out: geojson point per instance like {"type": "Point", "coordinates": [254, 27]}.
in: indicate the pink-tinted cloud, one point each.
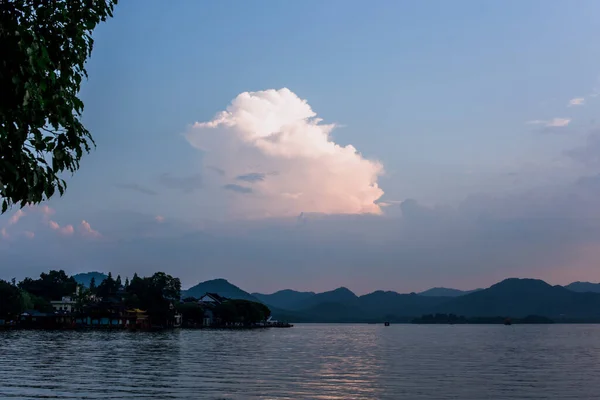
{"type": "Point", "coordinates": [16, 217]}
{"type": "Point", "coordinates": [86, 230]}
{"type": "Point", "coordinates": [38, 222]}
{"type": "Point", "coordinates": [159, 219]}
{"type": "Point", "coordinates": [47, 211]}
{"type": "Point", "coordinates": [551, 123]}
{"type": "Point", "coordinates": [65, 230]}
{"type": "Point", "coordinates": [276, 135]}
{"type": "Point", "coordinates": [578, 101]}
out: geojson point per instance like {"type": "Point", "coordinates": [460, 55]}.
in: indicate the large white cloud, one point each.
{"type": "Point", "coordinates": [278, 160]}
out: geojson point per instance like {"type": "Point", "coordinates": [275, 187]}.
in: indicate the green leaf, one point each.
{"type": "Point", "coordinates": [45, 46]}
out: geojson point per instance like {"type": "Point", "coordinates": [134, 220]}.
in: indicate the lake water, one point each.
{"type": "Point", "coordinates": [306, 362]}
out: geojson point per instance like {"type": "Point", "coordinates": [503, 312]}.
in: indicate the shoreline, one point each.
{"type": "Point", "coordinates": [157, 329]}
{"type": "Point", "coordinates": [248, 328]}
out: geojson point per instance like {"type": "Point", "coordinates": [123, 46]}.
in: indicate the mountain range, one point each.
{"type": "Point", "coordinates": [584, 287]}
{"type": "Point", "coordinates": [446, 292]}
{"type": "Point", "coordinates": [517, 298]}
{"type": "Point", "coordinates": [513, 297]}
{"type": "Point", "coordinates": [219, 286]}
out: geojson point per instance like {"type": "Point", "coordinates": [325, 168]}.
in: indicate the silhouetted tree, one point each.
{"type": "Point", "coordinates": [156, 294]}
{"type": "Point", "coordinates": [242, 311]}
{"type": "Point", "coordinates": [45, 45]}
{"type": "Point", "coordinates": [191, 312]}
{"type": "Point", "coordinates": [11, 300]}
{"type": "Point", "coordinates": [50, 286]}
{"type": "Point", "coordinates": [108, 287]}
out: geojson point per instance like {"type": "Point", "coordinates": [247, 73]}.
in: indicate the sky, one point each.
{"type": "Point", "coordinates": [312, 145]}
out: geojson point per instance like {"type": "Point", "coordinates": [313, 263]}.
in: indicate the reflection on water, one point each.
{"type": "Point", "coordinates": [306, 362]}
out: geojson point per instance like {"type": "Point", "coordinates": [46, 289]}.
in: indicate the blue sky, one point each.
{"type": "Point", "coordinates": [456, 101]}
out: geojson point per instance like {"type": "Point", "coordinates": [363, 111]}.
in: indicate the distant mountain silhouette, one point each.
{"type": "Point", "coordinates": [583, 287]}
{"type": "Point", "coordinates": [341, 305]}
{"type": "Point", "coordinates": [445, 292]}
{"type": "Point", "coordinates": [522, 297]}
{"type": "Point", "coordinates": [220, 286]}
{"type": "Point", "coordinates": [86, 277]}
{"type": "Point", "coordinates": [340, 295]}
{"type": "Point", "coordinates": [515, 298]}
{"type": "Point", "coordinates": [392, 305]}
{"type": "Point", "coordinates": [284, 299]}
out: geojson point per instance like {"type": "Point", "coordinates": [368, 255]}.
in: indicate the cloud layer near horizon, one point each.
{"type": "Point", "coordinates": [33, 220]}
{"type": "Point", "coordinates": [551, 233]}
{"type": "Point", "coordinates": [278, 160]}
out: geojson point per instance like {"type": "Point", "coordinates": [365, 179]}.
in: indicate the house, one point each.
{"type": "Point", "coordinates": [37, 319]}
{"type": "Point", "coordinates": [211, 299]}
{"type": "Point", "coordinates": [106, 313]}
{"type": "Point", "coordinates": [65, 304]}
{"type": "Point", "coordinates": [208, 302]}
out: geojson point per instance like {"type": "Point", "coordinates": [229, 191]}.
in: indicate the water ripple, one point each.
{"type": "Point", "coordinates": [306, 362]}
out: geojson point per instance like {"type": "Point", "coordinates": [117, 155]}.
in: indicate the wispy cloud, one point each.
{"type": "Point", "coordinates": [65, 230]}
{"type": "Point", "coordinates": [159, 218]}
{"type": "Point", "coordinates": [16, 217]}
{"type": "Point", "coordinates": [558, 122]}
{"type": "Point", "coordinates": [188, 184]}
{"type": "Point", "coordinates": [86, 230]}
{"type": "Point", "coordinates": [388, 203]}
{"type": "Point", "coordinates": [237, 188]}
{"type": "Point", "coordinates": [137, 188]}
{"type": "Point", "coordinates": [39, 222]}
{"type": "Point", "coordinates": [551, 123]}
{"type": "Point", "coordinates": [252, 177]}
{"type": "Point", "coordinates": [217, 170]}
{"type": "Point", "coordinates": [577, 101]}
{"type": "Point", "coordinates": [47, 211]}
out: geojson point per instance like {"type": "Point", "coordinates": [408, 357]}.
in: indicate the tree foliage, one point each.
{"type": "Point", "coordinates": [45, 45]}
{"type": "Point", "coordinates": [93, 286]}
{"type": "Point", "coordinates": [108, 287]}
{"type": "Point", "coordinates": [155, 294]}
{"type": "Point", "coordinates": [191, 311]}
{"type": "Point", "coordinates": [11, 300]}
{"type": "Point", "coordinates": [242, 311]}
{"type": "Point", "coordinates": [50, 286]}
{"type": "Point", "coordinates": [32, 302]}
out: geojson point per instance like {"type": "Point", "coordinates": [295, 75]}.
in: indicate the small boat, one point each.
{"type": "Point", "coordinates": [386, 323]}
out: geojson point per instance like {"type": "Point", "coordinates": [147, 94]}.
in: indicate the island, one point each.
{"type": "Point", "coordinates": [57, 301]}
